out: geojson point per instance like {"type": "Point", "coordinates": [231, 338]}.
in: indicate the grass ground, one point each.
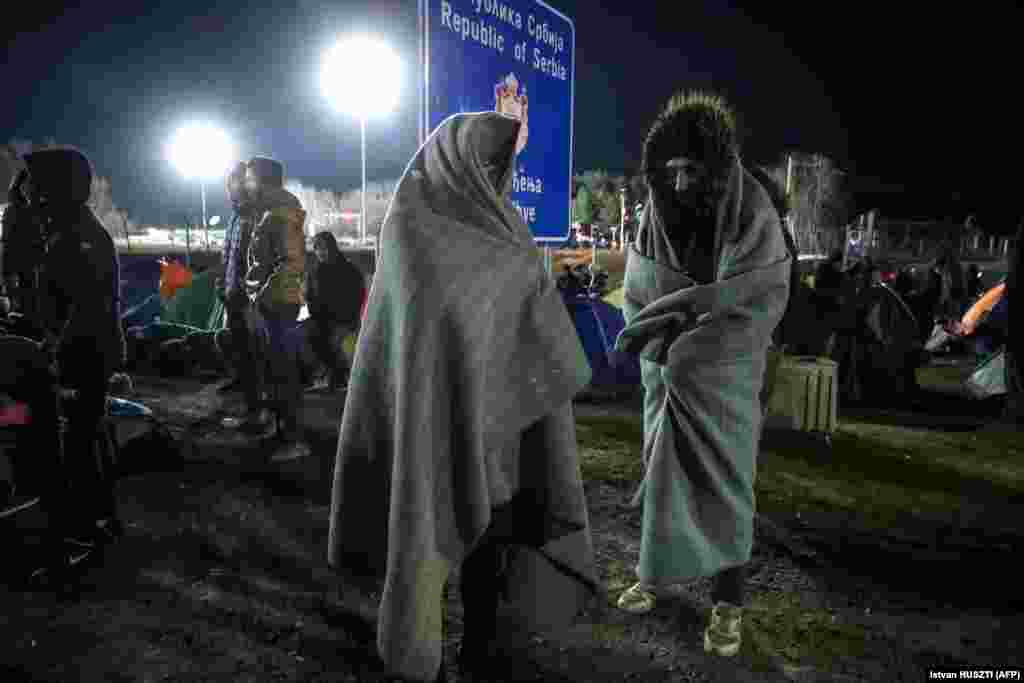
{"type": "Point", "coordinates": [891, 552]}
{"type": "Point", "coordinates": [891, 525]}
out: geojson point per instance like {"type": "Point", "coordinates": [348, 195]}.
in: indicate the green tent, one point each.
{"type": "Point", "coordinates": [195, 308]}
{"type": "Point", "coordinates": [197, 305]}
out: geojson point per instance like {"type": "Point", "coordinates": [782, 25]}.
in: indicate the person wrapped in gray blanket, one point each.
{"type": "Point", "coordinates": [457, 444]}
{"type": "Point", "coordinates": [707, 281]}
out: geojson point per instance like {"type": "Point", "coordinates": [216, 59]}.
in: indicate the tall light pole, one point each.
{"type": "Point", "coordinates": [361, 75]}
{"type": "Point", "coordinates": [206, 225]}
{"type": "Point", "coordinates": [201, 151]}
{"type": "Point", "coordinates": [362, 195]}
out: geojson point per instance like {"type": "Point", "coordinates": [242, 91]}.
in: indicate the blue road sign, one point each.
{"type": "Point", "coordinates": [517, 57]}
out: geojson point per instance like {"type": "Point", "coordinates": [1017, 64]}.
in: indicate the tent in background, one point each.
{"type": "Point", "coordinates": [598, 325]}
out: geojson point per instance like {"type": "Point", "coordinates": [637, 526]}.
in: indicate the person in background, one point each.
{"type": "Point", "coordinates": [231, 289]}
{"type": "Point", "coordinates": [828, 297]}
{"type": "Point", "coordinates": [1014, 360]}
{"type": "Point", "coordinates": [951, 284]}
{"type": "Point", "coordinates": [21, 257]}
{"type": "Point", "coordinates": [277, 264]}
{"type": "Point", "coordinates": [904, 284]}
{"type": "Point", "coordinates": [973, 282]}
{"type": "Point", "coordinates": [785, 334]}
{"type": "Point", "coordinates": [81, 316]}
{"type": "Point", "coordinates": [334, 293]}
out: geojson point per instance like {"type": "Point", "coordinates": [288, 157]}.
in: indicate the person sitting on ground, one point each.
{"type": "Point", "coordinates": [457, 443]}
{"type": "Point", "coordinates": [707, 281]}
{"type": "Point", "coordinates": [334, 293]}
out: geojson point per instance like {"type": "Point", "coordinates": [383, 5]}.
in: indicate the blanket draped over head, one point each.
{"type": "Point", "coordinates": [458, 418]}
{"type": "Point", "coordinates": [703, 350]}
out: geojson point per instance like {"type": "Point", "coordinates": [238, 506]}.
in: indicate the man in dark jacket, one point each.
{"type": "Point", "coordinates": [277, 264]}
{"type": "Point", "coordinates": [80, 291]}
{"type": "Point", "coordinates": [334, 293]}
{"type": "Point", "coordinates": [21, 254]}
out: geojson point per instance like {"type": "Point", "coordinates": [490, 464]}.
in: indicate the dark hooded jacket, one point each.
{"type": "Point", "coordinates": [81, 275]}
{"type": "Point", "coordinates": [334, 291]}
{"type": "Point", "coordinates": [22, 247]}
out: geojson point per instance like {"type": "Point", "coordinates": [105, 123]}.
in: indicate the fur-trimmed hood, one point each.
{"type": "Point", "coordinates": [697, 125]}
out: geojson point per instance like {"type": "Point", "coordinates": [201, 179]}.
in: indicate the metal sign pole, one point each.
{"type": "Point", "coordinates": [206, 222]}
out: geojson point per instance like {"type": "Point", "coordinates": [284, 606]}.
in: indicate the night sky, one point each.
{"type": "Point", "coordinates": [913, 102]}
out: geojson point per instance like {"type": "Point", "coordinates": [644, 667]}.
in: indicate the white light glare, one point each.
{"type": "Point", "coordinates": [201, 151]}
{"type": "Point", "coordinates": [361, 76]}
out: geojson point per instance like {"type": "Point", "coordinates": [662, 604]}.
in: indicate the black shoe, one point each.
{"type": "Point", "coordinates": [102, 532]}
{"type": "Point", "coordinates": [477, 661]}
{"type": "Point", "coordinates": [14, 503]}
{"type": "Point", "coordinates": [112, 527]}
{"type": "Point", "coordinates": [233, 386]}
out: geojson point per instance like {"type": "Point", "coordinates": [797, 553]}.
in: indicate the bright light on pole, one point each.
{"type": "Point", "coordinates": [361, 76]}
{"type": "Point", "coordinates": [201, 151]}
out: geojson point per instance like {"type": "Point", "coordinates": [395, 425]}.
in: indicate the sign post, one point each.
{"type": "Point", "coordinates": [516, 57]}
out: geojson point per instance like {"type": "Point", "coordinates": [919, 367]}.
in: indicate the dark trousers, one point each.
{"type": "Point", "coordinates": [479, 586]}
{"type": "Point", "coordinates": [243, 354]}
{"type": "Point", "coordinates": [87, 463]}
{"type": "Point", "coordinates": [325, 336]}
{"type": "Point", "coordinates": [729, 585]}
{"type": "Point", "coordinates": [277, 326]}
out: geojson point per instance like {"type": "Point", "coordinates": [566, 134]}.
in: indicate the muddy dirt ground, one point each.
{"type": "Point", "coordinates": [221, 577]}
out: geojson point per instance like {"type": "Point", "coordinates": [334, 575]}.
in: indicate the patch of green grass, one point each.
{"type": "Point", "coordinates": [611, 634]}
{"type": "Point", "coordinates": [782, 623]}
{"type": "Point", "coordinates": [881, 474]}
{"type": "Point", "coordinates": [945, 377]}
{"type": "Point", "coordinates": [884, 473]}
{"type": "Point", "coordinates": [610, 449]}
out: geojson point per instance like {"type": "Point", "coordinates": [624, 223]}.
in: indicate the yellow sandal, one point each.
{"type": "Point", "coordinates": [639, 599]}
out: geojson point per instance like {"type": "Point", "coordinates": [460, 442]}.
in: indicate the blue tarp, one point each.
{"type": "Point", "coordinates": [598, 324]}
{"type": "Point", "coordinates": [140, 280]}
{"type": "Point", "coordinates": [119, 407]}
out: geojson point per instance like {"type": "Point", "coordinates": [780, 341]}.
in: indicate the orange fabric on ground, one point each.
{"type": "Point", "coordinates": [173, 276]}
{"type": "Point", "coordinates": [979, 310]}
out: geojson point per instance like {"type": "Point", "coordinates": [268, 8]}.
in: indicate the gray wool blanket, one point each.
{"type": "Point", "coordinates": [458, 419]}
{"type": "Point", "coordinates": [703, 352]}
